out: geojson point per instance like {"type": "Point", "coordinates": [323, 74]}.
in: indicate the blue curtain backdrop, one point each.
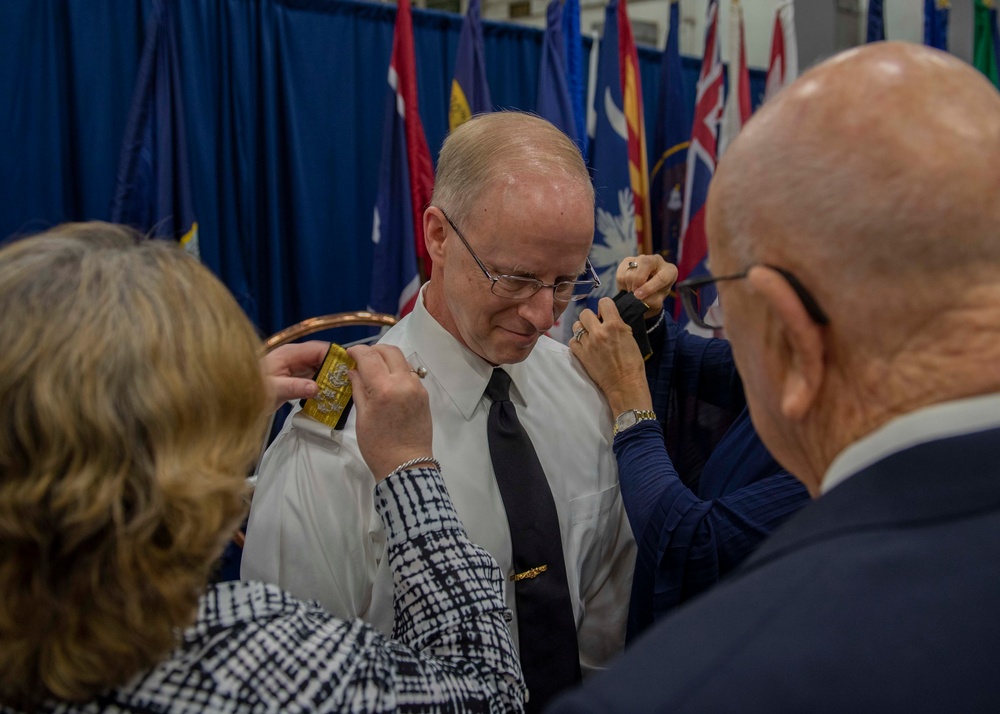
{"type": "Point", "coordinates": [284, 108]}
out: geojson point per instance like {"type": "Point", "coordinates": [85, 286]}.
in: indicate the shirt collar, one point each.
{"type": "Point", "coordinates": [940, 421]}
{"type": "Point", "coordinates": [462, 374]}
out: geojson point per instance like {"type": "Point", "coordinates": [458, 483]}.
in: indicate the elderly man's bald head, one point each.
{"type": "Point", "coordinates": [881, 165]}
{"type": "Point", "coordinates": [875, 180]}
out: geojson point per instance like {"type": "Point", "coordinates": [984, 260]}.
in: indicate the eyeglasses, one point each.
{"type": "Point", "coordinates": [699, 294]}
{"type": "Point", "coordinates": [517, 287]}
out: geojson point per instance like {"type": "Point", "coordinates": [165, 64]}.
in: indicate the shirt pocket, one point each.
{"type": "Point", "coordinates": [590, 518]}
{"type": "Point", "coordinates": [592, 506]}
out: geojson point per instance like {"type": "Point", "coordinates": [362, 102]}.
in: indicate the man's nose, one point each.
{"type": "Point", "coordinates": [539, 309]}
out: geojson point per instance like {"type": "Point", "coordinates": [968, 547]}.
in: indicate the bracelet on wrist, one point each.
{"type": "Point", "coordinates": [413, 462]}
{"type": "Point", "coordinates": [659, 321]}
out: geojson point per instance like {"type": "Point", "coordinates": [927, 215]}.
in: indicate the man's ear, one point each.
{"type": "Point", "coordinates": [798, 341]}
{"type": "Point", "coordinates": [435, 231]}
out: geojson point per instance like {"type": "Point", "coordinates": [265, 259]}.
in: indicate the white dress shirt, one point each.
{"type": "Point", "coordinates": [314, 531]}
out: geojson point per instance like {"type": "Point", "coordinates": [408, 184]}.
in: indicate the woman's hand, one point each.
{"type": "Point", "coordinates": [611, 357]}
{"type": "Point", "coordinates": [393, 409]}
{"type": "Point", "coordinates": [288, 370]}
{"type": "Point", "coordinates": [650, 277]}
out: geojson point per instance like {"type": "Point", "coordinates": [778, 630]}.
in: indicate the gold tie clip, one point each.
{"type": "Point", "coordinates": [528, 574]}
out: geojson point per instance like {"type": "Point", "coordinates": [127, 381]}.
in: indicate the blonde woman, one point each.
{"type": "Point", "coordinates": [131, 404]}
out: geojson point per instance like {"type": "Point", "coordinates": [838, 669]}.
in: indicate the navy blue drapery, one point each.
{"type": "Point", "coordinates": [284, 110]}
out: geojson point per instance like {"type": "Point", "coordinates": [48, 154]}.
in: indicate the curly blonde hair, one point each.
{"type": "Point", "coordinates": [131, 406]}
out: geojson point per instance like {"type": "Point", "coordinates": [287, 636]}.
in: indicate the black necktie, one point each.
{"type": "Point", "coordinates": [546, 627]}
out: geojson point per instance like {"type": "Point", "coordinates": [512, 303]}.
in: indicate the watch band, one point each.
{"type": "Point", "coordinates": [630, 418]}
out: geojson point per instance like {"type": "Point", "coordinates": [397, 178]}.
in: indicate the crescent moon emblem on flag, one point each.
{"type": "Point", "coordinates": [616, 117]}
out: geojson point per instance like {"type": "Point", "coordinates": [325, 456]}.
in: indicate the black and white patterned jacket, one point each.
{"type": "Point", "coordinates": [255, 648]}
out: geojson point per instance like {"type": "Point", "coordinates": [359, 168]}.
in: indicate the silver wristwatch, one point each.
{"type": "Point", "coordinates": [632, 417]}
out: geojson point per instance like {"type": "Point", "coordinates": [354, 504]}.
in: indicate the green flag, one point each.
{"type": "Point", "coordinates": [984, 54]}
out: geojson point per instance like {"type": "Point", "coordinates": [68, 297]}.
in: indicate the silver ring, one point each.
{"type": "Point", "coordinates": [632, 264]}
{"type": "Point", "coordinates": [420, 372]}
{"type": "Point", "coordinates": [579, 333]}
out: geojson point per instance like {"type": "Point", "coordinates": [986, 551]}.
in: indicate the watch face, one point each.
{"type": "Point", "coordinates": [627, 419]}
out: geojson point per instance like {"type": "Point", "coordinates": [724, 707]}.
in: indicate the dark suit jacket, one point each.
{"type": "Point", "coordinates": [882, 596]}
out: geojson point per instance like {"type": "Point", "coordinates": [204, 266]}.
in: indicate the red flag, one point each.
{"type": "Point", "coordinates": [406, 179]}
{"type": "Point", "coordinates": [418, 155]}
{"type": "Point", "coordinates": [638, 165]}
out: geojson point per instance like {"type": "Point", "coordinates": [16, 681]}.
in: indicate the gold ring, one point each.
{"type": "Point", "coordinates": [632, 264]}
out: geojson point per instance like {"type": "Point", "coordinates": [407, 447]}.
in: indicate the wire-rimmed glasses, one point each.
{"type": "Point", "coordinates": [698, 295]}
{"type": "Point", "coordinates": [519, 287]}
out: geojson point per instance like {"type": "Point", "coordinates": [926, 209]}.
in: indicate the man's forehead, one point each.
{"type": "Point", "coordinates": [536, 254]}
{"type": "Point", "coordinates": [562, 269]}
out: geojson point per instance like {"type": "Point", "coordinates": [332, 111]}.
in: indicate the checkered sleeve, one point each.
{"type": "Point", "coordinates": [254, 648]}
{"type": "Point", "coordinates": [448, 592]}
